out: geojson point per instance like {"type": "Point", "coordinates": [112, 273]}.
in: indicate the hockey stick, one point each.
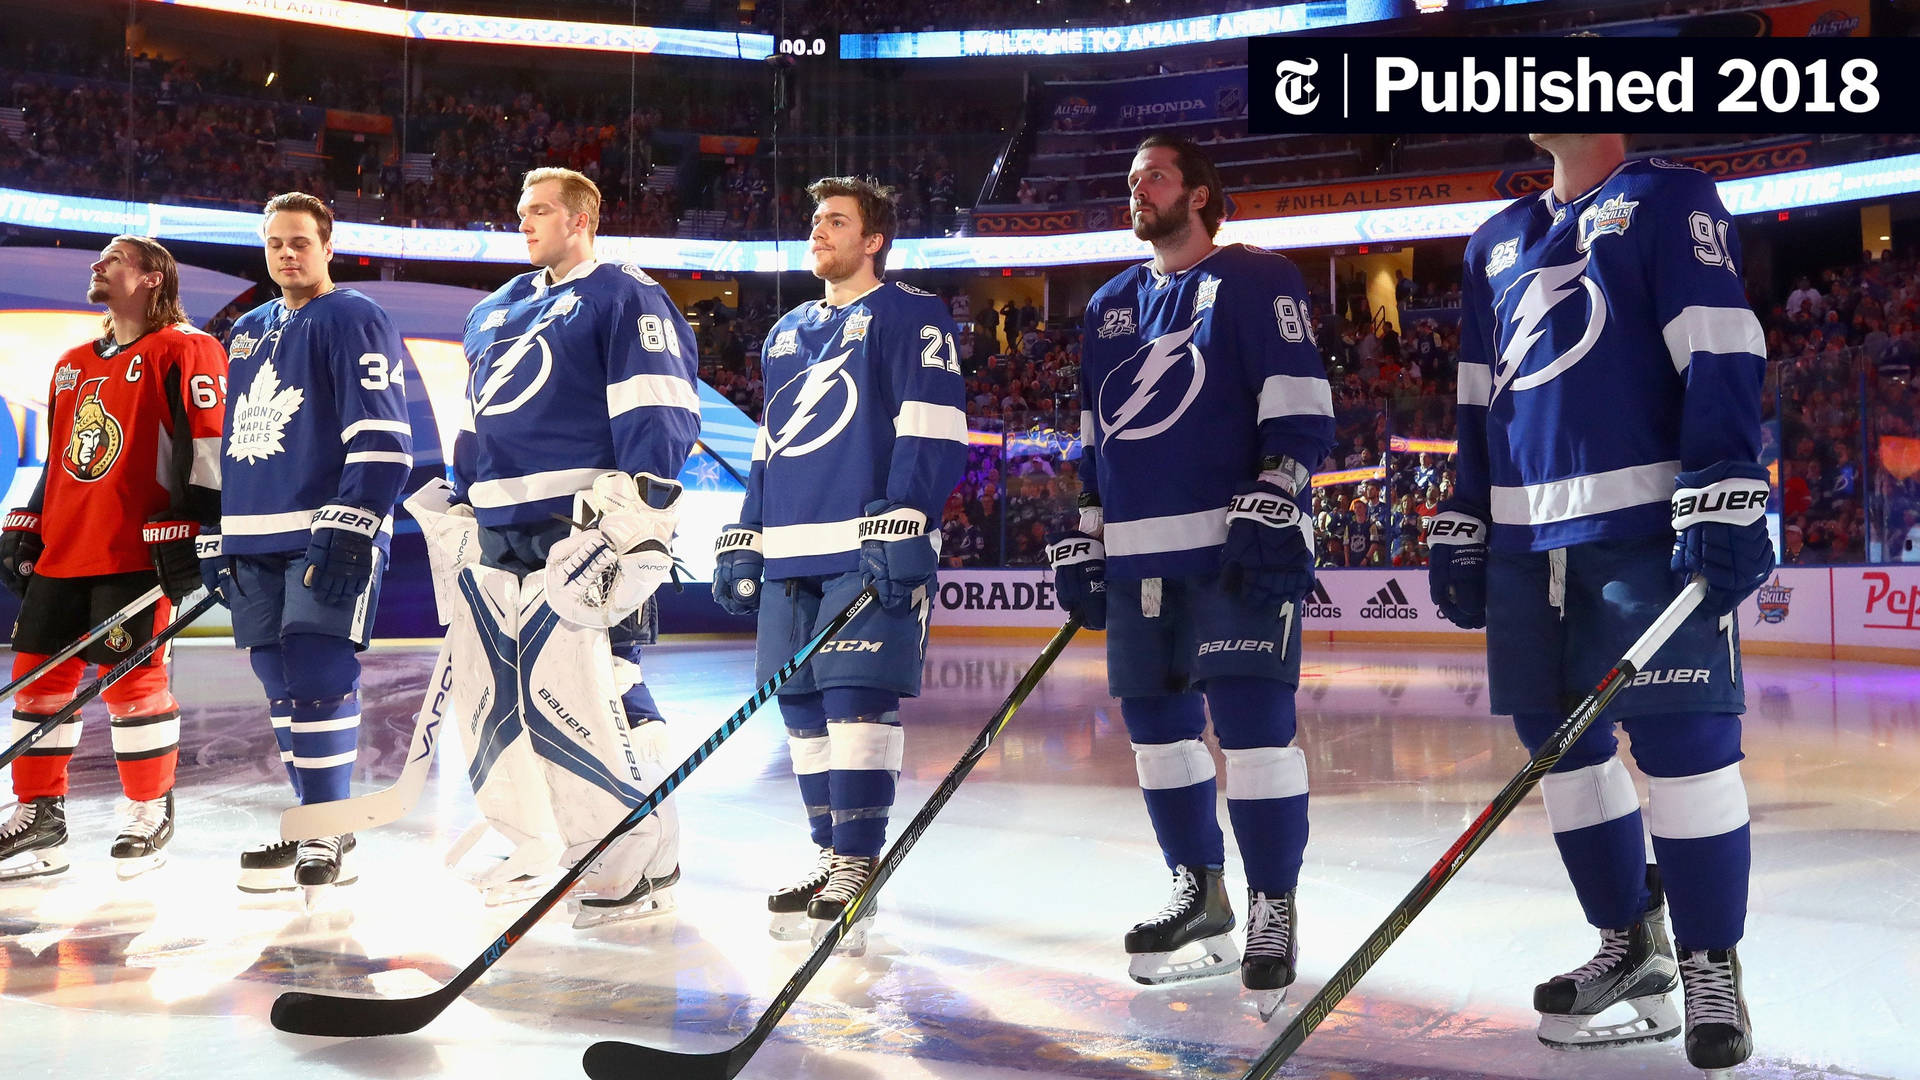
{"type": "Point", "coordinates": [139, 604]}
{"type": "Point", "coordinates": [322, 1014]}
{"type": "Point", "coordinates": [93, 690]}
{"type": "Point", "coordinates": [1321, 1005]}
{"type": "Point", "coordinates": [621, 1061]}
{"type": "Point", "coordinates": [396, 801]}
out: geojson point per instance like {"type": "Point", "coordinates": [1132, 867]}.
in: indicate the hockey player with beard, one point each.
{"type": "Point", "coordinates": [136, 414]}
{"type": "Point", "coordinates": [582, 409]}
{"type": "Point", "coordinates": [317, 447]}
{"type": "Point", "coordinates": [1571, 529]}
{"type": "Point", "coordinates": [1205, 356]}
{"type": "Point", "coordinates": [865, 435]}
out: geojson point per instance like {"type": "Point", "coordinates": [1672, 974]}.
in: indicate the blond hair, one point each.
{"type": "Point", "coordinates": [163, 305]}
{"type": "Point", "coordinates": [577, 193]}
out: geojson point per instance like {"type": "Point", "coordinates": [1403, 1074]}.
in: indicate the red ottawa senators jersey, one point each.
{"type": "Point", "coordinates": [117, 417]}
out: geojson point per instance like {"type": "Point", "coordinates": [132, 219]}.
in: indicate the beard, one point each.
{"type": "Point", "coordinates": [97, 294]}
{"type": "Point", "coordinates": [836, 265]}
{"type": "Point", "coordinates": [1166, 222]}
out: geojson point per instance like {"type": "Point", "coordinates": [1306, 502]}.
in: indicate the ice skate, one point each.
{"type": "Point", "coordinates": [319, 865]}
{"type": "Point", "coordinates": [1719, 1034]}
{"type": "Point", "coordinates": [1634, 967]}
{"type": "Point", "coordinates": [788, 908]}
{"type": "Point", "coordinates": [269, 867]}
{"type": "Point", "coordinates": [1267, 969]}
{"type": "Point", "coordinates": [146, 827]}
{"type": "Point", "coordinates": [33, 842]}
{"type": "Point", "coordinates": [847, 875]}
{"type": "Point", "coordinates": [1197, 918]}
{"type": "Point", "coordinates": [651, 896]}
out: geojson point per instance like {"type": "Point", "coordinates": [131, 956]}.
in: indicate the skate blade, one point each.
{"type": "Point", "coordinates": [655, 903]}
{"type": "Point", "coordinates": [852, 944]}
{"type": "Point", "coordinates": [515, 891]}
{"type": "Point", "coordinates": [1655, 1019]}
{"type": "Point", "coordinates": [128, 869]}
{"type": "Point", "coordinates": [1210, 956]}
{"type": "Point", "coordinates": [45, 863]}
{"type": "Point", "coordinates": [1268, 1002]}
{"type": "Point", "coordinates": [790, 926]}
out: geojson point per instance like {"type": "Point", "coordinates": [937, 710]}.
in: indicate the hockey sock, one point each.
{"type": "Point", "coordinates": [1704, 844]}
{"type": "Point", "coordinates": [269, 666]}
{"type": "Point", "coordinates": [146, 732]}
{"type": "Point", "coordinates": [42, 770]}
{"type": "Point", "coordinates": [1595, 816]}
{"type": "Point", "coordinates": [323, 680]}
{"type": "Point", "coordinates": [1266, 778]}
{"type": "Point", "coordinates": [1176, 777]}
{"type": "Point", "coordinates": [637, 700]}
{"type": "Point", "coordinates": [806, 720]}
{"type": "Point", "coordinates": [865, 746]}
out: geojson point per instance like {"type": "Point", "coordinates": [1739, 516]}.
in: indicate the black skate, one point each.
{"type": "Point", "coordinates": [846, 876]}
{"type": "Point", "coordinates": [319, 865]}
{"type": "Point", "coordinates": [1719, 1035]}
{"type": "Point", "coordinates": [1268, 966]}
{"type": "Point", "coordinates": [146, 827]}
{"type": "Point", "coordinates": [648, 897]}
{"type": "Point", "coordinates": [269, 867]}
{"type": "Point", "coordinates": [38, 828]}
{"type": "Point", "coordinates": [1198, 914]}
{"type": "Point", "coordinates": [788, 907]}
{"type": "Point", "coordinates": [1634, 966]}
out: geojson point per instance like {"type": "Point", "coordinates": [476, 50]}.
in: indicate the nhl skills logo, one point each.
{"type": "Point", "coordinates": [1204, 297]}
{"type": "Point", "coordinates": [1610, 218]}
{"type": "Point", "coordinates": [1389, 603]}
{"type": "Point", "coordinates": [242, 346]}
{"type": "Point", "coordinates": [66, 378]}
{"type": "Point", "coordinates": [1773, 599]}
{"type": "Point", "coordinates": [1318, 605]}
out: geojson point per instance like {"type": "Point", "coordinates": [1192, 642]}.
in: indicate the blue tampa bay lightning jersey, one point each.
{"type": "Point", "coordinates": [1605, 346]}
{"type": "Point", "coordinates": [1188, 380]}
{"type": "Point", "coordinates": [569, 381]}
{"type": "Point", "coordinates": [864, 403]}
{"type": "Point", "coordinates": [316, 416]}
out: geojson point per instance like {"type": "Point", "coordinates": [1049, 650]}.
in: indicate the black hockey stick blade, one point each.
{"type": "Point", "coordinates": [1322, 1004]}
{"type": "Point", "coordinates": [303, 1013]}
{"type": "Point", "coordinates": [612, 1060]}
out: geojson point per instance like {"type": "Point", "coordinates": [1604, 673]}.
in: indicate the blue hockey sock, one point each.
{"type": "Point", "coordinates": [1266, 778]}
{"type": "Point", "coordinates": [1595, 816]}
{"type": "Point", "coordinates": [1704, 843]}
{"type": "Point", "coordinates": [323, 676]}
{"type": "Point", "coordinates": [806, 721]}
{"type": "Point", "coordinates": [865, 745]}
{"type": "Point", "coordinates": [270, 667]}
{"type": "Point", "coordinates": [1176, 777]}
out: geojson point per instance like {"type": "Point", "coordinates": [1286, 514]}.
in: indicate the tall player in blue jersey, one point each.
{"type": "Point", "coordinates": [865, 435]}
{"type": "Point", "coordinates": [1203, 356]}
{"type": "Point", "coordinates": [1571, 528]}
{"type": "Point", "coordinates": [315, 451]}
{"type": "Point", "coordinates": [582, 408]}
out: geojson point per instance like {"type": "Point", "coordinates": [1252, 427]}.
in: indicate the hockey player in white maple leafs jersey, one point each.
{"type": "Point", "coordinates": [1609, 425]}
{"type": "Point", "coordinates": [316, 449]}
{"type": "Point", "coordinates": [1206, 408]}
{"type": "Point", "coordinates": [581, 408]}
{"type": "Point", "coordinates": [864, 437]}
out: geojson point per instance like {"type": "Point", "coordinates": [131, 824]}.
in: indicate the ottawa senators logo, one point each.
{"type": "Point", "coordinates": [119, 640]}
{"type": "Point", "coordinates": [97, 437]}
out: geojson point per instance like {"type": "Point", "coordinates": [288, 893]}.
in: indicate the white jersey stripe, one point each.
{"type": "Point", "coordinates": [1176, 532]}
{"type": "Point", "coordinates": [925, 420]}
{"type": "Point", "coordinates": [514, 490]}
{"type": "Point", "coordinates": [274, 524]}
{"type": "Point", "coordinates": [206, 463]}
{"type": "Point", "coordinates": [666, 391]}
{"type": "Point", "coordinates": [381, 457]}
{"type": "Point", "coordinates": [1577, 496]}
{"type": "Point", "coordinates": [1295, 395]}
{"type": "Point", "coordinates": [397, 427]}
{"type": "Point", "coordinates": [1700, 329]}
{"type": "Point", "coordinates": [1476, 384]}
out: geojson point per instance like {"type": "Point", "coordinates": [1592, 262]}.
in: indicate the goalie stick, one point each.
{"type": "Point", "coordinates": [93, 690]}
{"type": "Point", "coordinates": [392, 803]}
{"type": "Point", "coordinates": [1321, 1005]}
{"type": "Point", "coordinates": [141, 603]}
{"type": "Point", "coordinates": [323, 1014]}
{"type": "Point", "coordinates": [612, 1060]}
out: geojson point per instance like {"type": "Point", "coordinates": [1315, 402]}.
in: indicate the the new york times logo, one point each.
{"type": "Point", "coordinates": [1294, 92]}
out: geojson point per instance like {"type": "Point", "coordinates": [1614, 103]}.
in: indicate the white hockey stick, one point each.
{"type": "Point", "coordinates": [393, 803]}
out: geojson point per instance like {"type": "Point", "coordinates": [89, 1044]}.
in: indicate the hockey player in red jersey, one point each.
{"type": "Point", "coordinates": [133, 424]}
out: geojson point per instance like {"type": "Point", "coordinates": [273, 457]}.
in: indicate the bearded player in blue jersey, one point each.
{"type": "Point", "coordinates": [1572, 527]}
{"type": "Point", "coordinates": [316, 449]}
{"type": "Point", "coordinates": [864, 437]}
{"type": "Point", "coordinates": [1203, 356]}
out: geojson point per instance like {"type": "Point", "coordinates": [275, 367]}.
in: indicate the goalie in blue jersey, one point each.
{"type": "Point", "coordinates": [1609, 425]}
{"type": "Point", "coordinates": [1205, 357]}
{"type": "Point", "coordinates": [865, 436]}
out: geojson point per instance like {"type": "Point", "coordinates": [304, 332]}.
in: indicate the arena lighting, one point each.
{"type": "Point", "coordinates": [496, 29]}
{"type": "Point", "coordinates": [1885, 178]}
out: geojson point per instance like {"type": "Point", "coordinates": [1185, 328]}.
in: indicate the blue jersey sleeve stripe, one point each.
{"type": "Point", "coordinates": [1722, 330]}
{"type": "Point", "coordinates": [640, 391]}
{"type": "Point", "coordinates": [1295, 395]}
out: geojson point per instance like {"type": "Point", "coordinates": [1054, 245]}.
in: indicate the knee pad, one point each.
{"type": "Point", "coordinates": [1587, 796]}
{"type": "Point", "coordinates": [1265, 772]}
{"type": "Point", "coordinates": [1596, 745]}
{"type": "Point", "coordinates": [51, 692]}
{"type": "Point", "coordinates": [1172, 765]}
{"type": "Point", "coordinates": [1691, 807]}
{"type": "Point", "coordinates": [1251, 713]}
{"type": "Point", "coordinates": [320, 667]}
{"type": "Point", "coordinates": [1164, 718]}
{"type": "Point", "coordinates": [140, 692]}
{"type": "Point", "coordinates": [865, 747]}
{"type": "Point", "coordinates": [269, 665]}
{"type": "Point", "coordinates": [1685, 744]}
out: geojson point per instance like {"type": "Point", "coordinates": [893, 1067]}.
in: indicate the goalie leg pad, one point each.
{"type": "Point", "coordinates": [453, 541]}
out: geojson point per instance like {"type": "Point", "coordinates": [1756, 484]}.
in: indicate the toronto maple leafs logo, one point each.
{"type": "Point", "coordinates": [261, 415]}
{"type": "Point", "coordinates": [794, 410]}
{"type": "Point", "coordinates": [910, 290]}
{"type": "Point", "coordinates": [1153, 389]}
{"type": "Point", "coordinates": [1544, 308]}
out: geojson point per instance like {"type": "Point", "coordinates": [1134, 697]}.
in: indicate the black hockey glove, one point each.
{"type": "Point", "coordinates": [1079, 562]}
{"type": "Point", "coordinates": [1457, 565]}
{"type": "Point", "coordinates": [20, 548]}
{"type": "Point", "coordinates": [170, 542]}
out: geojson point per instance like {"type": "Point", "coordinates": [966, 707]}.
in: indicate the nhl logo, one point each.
{"type": "Point", "coordinates": [118, 639]}
{"type": "Point", "coordinates": [1773, 599]}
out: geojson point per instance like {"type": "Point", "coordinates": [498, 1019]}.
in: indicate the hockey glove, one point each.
{"type": "Point", "coordinates": [738, 563]}
{"type": "Point", "coordinates": [20, 548]}
{"type": "Point", "coordinates": [214, 567]}
{"type": "Point", "coordinates": [1457, 574]}
{"type": "Point", "coordinates": [1079, 562]}
{"type": "Point", "coordinates": [897, 554]}
{"type": "Point", "coordinates": [175, 559]}
{"type": "Point", "coordinates": [340, 554]}
{"type": "Point", "coordinates": [1268, 557]}
{"type": "Point", "coordinates": [1719, 518]}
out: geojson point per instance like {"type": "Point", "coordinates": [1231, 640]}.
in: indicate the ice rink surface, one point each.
{"type": "Point", "coordinates": [997, 951]}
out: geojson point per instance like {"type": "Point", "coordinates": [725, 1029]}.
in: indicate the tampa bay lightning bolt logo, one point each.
{"type": "Point", "coordinates": [823, 392]}
{"type": "Point", "coordinates": [1151, 391]}
{"type": "Point", "coordinates": [515, 369]}
{"type": "Point", "coordinates": [1546, 304]}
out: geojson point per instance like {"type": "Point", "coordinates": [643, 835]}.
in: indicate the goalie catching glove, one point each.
{"type": "Point", "coordinates": [604, 573]}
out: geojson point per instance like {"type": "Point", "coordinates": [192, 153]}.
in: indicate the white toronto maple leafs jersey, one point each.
{"type": "Point", "coordinates": [1188, 381]}
{"type": "Point", "coordinates": [1605, 346]}
{"type": "Point", "coordinates": [569, 381]}
{"type": "Point", "coordinates": [865, 403]}
{"type": "Point", "coordinates": [316, 416]}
